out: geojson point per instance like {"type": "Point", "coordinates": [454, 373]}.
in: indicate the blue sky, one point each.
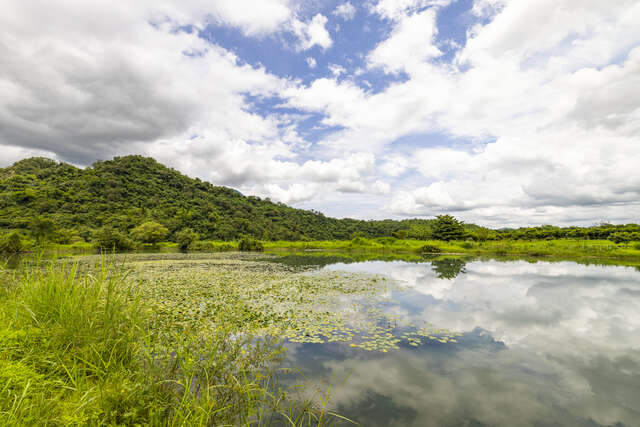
{"type": "Point", "coordinates": [499, 112]}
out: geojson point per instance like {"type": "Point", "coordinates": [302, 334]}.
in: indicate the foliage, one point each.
{"type": "Point", "coordinates": [447, 228]}
{"type": "Point", "coordinates": [249, 244]}
{"type": "Point", "coordinates": [430, 249]}
{"type": "Point", "coordinates": [58, 202]}
{"type": "Point", "coordinates": [80, 346]}
{"type": "Point", "coordinates": [109, 238]}
{"type": "Point", "coordinates": [123, 192]}
{"type": "Point", "coordinates": [42, 228]}
{"type": "Point", "coordinates": [185, 238]}
{"type": "Point", "coordinates": [624, 237]}
{"type": "Point", "coordinates": [149, 232]}
{"type": "Point", "coordinates": [12, 243]}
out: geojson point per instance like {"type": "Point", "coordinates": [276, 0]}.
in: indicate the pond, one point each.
{"type": "Point", "coordinates": [541, 344]}
{"type": "Point", "coordinates": [448, 341]}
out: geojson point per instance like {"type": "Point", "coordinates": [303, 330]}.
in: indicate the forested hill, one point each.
{"type": "Point", "coordinates": [127, 191]}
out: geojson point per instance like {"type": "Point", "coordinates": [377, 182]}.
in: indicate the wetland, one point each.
{"type": "Point", "coordinates": [333, 339]}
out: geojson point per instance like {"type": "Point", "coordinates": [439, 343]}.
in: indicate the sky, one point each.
{"type": "Point", "coordinates": [499, 112]}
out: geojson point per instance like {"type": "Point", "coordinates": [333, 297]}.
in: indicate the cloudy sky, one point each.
{"type": "Point", "coordinates": [500, 112]}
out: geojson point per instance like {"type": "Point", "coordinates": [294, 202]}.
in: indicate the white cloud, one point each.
{"type": "Point", "coordinates": [346, 11]}
{"type": "Point", "coordinates": [395, 9]}
{"type": "Point", "coordinates": [543, 102]}
{"type": "Point", "coordinates": [395, 166]}
{"type": "Point", "coordinates": [337, 70]}
{"type": "Point", "coordinates": [410, 42]}
{"type": "Point", "coordinates": [545, 96]}
{"type": "Point", "coordinates": [312, 33]}
{"type": "Point", "coordinates": [311, 62]}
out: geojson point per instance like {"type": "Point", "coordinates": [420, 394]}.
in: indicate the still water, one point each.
{"type": "Point", "coordinates": [542, 344]}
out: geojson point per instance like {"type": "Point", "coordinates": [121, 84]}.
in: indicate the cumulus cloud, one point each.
{"type": "Point", "coordinates": [312, 33]}
{"type": "Point", "coordinates": [538, 111]}
{"type": "Point", "coordinates": [395, 9]}
{"type": "Point", "coordinates": [345, 11]}
{"type": "Point", "coordinates": [545, 95]}
{"type": "Point", "coordinates": [311, 62]}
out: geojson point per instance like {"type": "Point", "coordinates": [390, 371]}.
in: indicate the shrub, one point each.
{"type": "Point", "coordinates": [430, 249]}
{"type": "Point", "coordinates": [109, 238]}
{"type": "Point", "coordinates": [11, 244]}
{"type": "Point", "coordinates": [250, 244]}
{"type": "Point", "coordinates": [386, 240]}
{"type": "Point", "coordinates": [149, 232]}
{"type": "Point", "coordinates": [185, 238]}
{"type": "Point", "coordinates": [401, 234]}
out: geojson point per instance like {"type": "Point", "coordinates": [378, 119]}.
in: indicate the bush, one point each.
{"type": "Point", "coordinates": [386, 240]}
{"type": "Point", "coordinates": [401, 234]}
{"type": "Point", "coordinates": [109, 239]}
{"type": "Point", "coordinates": [11, 244]}
{"type": "Point", "coordinates": [249, 244]}
{"type": "Point", "coordinates": [430, 249]}
{"type": "Point", "coordinates": [149, 232]}
{"type": "Point", "coordinates": [185, 238]}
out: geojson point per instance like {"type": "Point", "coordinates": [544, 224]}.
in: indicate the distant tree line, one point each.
{"type": "Point", "coordinates": [135, 200]}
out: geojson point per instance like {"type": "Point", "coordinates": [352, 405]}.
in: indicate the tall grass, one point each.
{"type": "Point", "coordinates": [77, 347]}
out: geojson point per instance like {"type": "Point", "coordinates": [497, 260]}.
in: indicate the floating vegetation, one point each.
{"type": "Point", "coordinates": [254, 297]}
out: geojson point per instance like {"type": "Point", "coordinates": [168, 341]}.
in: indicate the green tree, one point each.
{"type": "Point", "coordinates": [401, 234]}
{"type": "Point", "coordinates": [620, 237]}
{"type": "Point", "coordinates": [250, 244]}
{"type": "Point", "coordinates": [11, 244]}
{"type": "Point", "coordinates": [185, 237]}
{"type": "Point", "coordinates": [109, 238]}
{"type": "Point", "coordinates": [149, 232]}
{"type": "Point", "coordinates": [42, 228]}
{"type": "Point", "coordinates": [447, 228]}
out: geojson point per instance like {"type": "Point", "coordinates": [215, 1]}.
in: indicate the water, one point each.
{"type": "Point", "coordinates": [543, 344]}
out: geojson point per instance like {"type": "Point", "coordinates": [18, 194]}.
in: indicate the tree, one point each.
{"type": "Point", "coordinates": [109, 239]}
{"type": "Point", "coordinates": [11, 244]}
{"type": "Point", "coordinates": [447, 228]}
{"type": "Point", "coordinates": [42, 228]}
{"type": "Point", "coordinates": [400, 234]}
{"type": "Point", "coordinates": [250, 244]}
{"type": "Point", "coordinates": [149, 232]}
{"type": "Point", "coordinates": [185, 237]}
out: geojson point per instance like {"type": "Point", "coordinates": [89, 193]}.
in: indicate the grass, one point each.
{"type": "Point", "coordinates": [81, 345]}
{"type": "Point", "coordinates": [567, 248]}
{"type": "Point", "coordinates": [552, 248]}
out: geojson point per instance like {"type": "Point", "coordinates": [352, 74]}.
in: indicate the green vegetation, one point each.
{"type": "Point", "coordinates": [247, 244]}
{"type": "Point", "coordinates": [185, 238]}
{"type": "Point", "coordinates": [149, 232]}
{"type": "Point", "coordinates": [447, 228]}
{"type": "Point", "coordinates": [566, 248]}
{"type": "Point", "coordinates": [125, 192]}
{"type": "Point", "coordinates": [127, 344]}
{"type": "Point", "coordinates": [134, 202]}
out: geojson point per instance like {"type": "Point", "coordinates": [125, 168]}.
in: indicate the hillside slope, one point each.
{"type": "Point", "coordinates": [126, 191]}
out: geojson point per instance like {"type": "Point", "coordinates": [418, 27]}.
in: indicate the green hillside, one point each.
{"type": "Point", "coordinates": [127, 191]}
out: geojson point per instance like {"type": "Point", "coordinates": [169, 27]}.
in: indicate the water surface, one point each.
{"type": "Point", "coordinates": [542, 344]}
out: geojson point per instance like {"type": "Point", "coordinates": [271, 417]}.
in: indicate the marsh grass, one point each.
{"type": "Point", "coordinates": [78, 346]}
{"type": "Point", "coordinates": [541, 248]}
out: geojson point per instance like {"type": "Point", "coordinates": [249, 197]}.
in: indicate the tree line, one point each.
{"type": "Point", "coordinates": [134, 199]}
